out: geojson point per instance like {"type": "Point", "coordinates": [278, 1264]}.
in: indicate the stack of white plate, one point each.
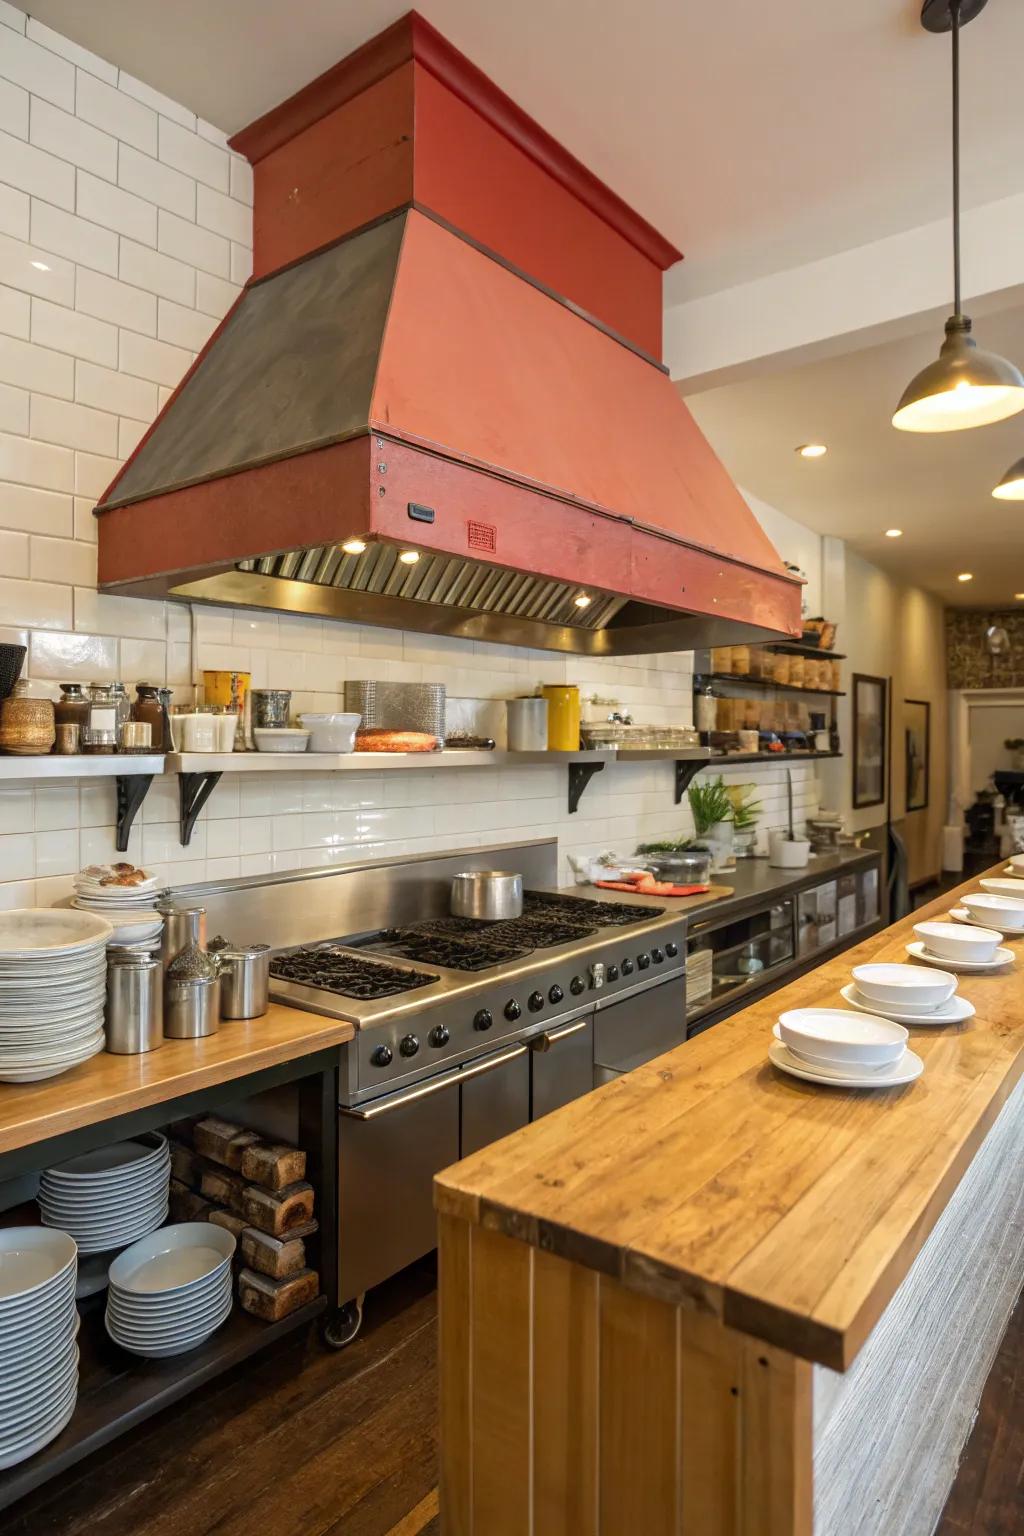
{"type": "Point", "coordinates": [38, 1353]}
{"type": "Point", "coordinates": [53, 968]}
{"type": "Point", "coordinates": [843, 1050]}
{"type": "Point", "coordinates": [907, 994]}
{"type": "Point", "coordinates": [93, 895]}
{"type": "Point", "coordinates": [111, 1196]}
{"type": "Point", "coordinates": [959, 946]}
{"type": "Point", "coordinates": [170, 1291]}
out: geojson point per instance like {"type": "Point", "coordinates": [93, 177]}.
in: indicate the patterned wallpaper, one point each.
{"type": "Point", "coordinates": [969, 663]}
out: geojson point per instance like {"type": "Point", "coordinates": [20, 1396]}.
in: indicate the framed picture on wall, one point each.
{"type": "Point", "coordinates": [869, 740]}
{"type": "Point", "coordinates": [917, 725]}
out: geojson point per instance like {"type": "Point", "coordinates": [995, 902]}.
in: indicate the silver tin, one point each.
{"type": "Point", "coordinates": [183, 926]}
{"type": "Point", "coordinates": [489, 895]}
{"type": "Point", "coordinates": [192, 1008]}
{"type": "Point", "coordinates": [135, 1003]}
{"type": "Point", "coordinates": [244, 981]}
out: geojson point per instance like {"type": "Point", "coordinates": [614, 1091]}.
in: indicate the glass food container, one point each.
{"type": "Point", "coordinates": [99, 732]}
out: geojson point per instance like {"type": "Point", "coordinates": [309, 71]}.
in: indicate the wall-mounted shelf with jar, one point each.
{"type": "Point", "coordinates": [749, 696]}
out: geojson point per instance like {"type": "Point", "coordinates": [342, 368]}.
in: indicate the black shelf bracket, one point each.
{"type": "Point", "coordinates": [687, 769]}
{"type": "Point", "coordinates": [194, 791]}
{"type": "Point", "coordinates": [580, 775]}
{"type": "Point", "coordinates": [132, 789]}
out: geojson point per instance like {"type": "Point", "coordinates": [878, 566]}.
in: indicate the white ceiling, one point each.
{"type": "Point", "coordinates": [936, 487]}
{"type": "Point", "coordinates": [754, 136]}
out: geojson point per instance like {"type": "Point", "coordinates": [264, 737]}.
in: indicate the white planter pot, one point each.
{"type": "Point", "coordinates": [783, 854]}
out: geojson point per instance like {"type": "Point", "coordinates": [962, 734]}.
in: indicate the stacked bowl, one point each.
{"type": "Point", "coordinates": [907, 994]}
{"type": "Point", "coordinates": [38, 1326]}
{"type": "Point", "coordinates": [170, 1291]}
{"type": "Point", "coordinates": [960, 946]}
{"type": "Point", "coordinates": [111, 1196]}
{"type": "Point", "coordinates": [53, 967]}
{"type": "Point", "coordinates": [843, 1050]}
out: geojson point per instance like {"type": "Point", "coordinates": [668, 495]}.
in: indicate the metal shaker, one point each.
{"type": "Point", "coordinates": [244, 981]}
{"type": "Point", "coordinates": [183, 926]}
{"type": "Point", "coordinates": [135, 1003]}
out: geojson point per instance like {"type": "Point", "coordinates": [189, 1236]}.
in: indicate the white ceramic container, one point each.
{"type": "Point", "coordinates": [1005, 912]}
{"type": "Point", "coordinates": [838, 1035]}
{"type": "Point", "coordinates": [331, 733]}
{"type": "Point", "coordinates": [958, 941]}
{"type": "Point", "coordinates": [281, 740]}
{"type": "Point", "coordinates": [783, 854]}
{"type": "Point", "coordinates": [907, 986]}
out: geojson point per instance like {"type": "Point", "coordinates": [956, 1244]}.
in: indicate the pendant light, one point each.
{"type": "Point", "coordinates": [1011, 486]}
{"type": "Point", "coordinates": [964, 387]}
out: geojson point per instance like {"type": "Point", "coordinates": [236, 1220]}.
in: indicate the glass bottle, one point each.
{"type": "Point", "coordinates": [151, 704]}
{"type": "Point", "coordinates": [72, 708]}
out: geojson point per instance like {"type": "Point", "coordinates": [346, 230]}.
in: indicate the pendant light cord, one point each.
{"type": "Point", "coordinates": [955, 16]}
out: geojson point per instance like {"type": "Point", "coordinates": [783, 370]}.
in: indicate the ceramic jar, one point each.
{"type": "Point", "coordinates": [27, 724]}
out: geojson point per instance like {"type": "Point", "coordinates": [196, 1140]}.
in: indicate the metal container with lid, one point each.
{"type": "Point", "coordinates": [244, 980]}
{"type": "Point", "coordinates": [489, 895]}
{"type": "Point", "coordinates": [182, 926]}
{"type": "Point", "coordinates": [135, 1003]}
{"type": "Point", "coordinates": [192, 1007]}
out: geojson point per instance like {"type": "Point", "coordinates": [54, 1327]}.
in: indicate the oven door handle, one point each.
{"type": "Point", "coordinates": [550, 1037]}
{"type": "Point", "coordinates": [397, 1101]}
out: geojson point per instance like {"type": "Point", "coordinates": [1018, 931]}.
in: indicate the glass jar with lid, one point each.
{"type": "Point", "coordinates": [99, 733]}
{"type": "Point", "coordinates": [72, 708]}
{"type": "Point", "coordinates": [152, 704]}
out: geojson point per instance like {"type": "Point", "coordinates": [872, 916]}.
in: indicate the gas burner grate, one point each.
{"type": "Point", "coordinates": [333, 970]}
{"type": "Point", "coordinates": [468, 951]}
{"type": "Point", "coordinates": [598, 914]}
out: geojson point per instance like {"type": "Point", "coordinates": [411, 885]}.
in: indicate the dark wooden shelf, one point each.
{"type": "Point", "coordinates": [117, 1390]}
{"type": "Point", "coordinates": [766, 683]}
{"type": "Point", "coordinates": [794, 648]}
{"type": "Point", "coordinates": [770, 757]}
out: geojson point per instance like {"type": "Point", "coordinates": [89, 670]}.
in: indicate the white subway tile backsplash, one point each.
{"type": "Point", "coordinates": [14, 409]}
{"type": "Point", "coordinates": [56, 853]}
{"type": "Point", "coordinates": [144, 659]}
{"type": "Point", "coordinates": [157, 361]}
{"type": "Point", "coordinates": [67, 137]}
{"type": "Point", "coordinates": [115, 208]}
{"type": "Point", "coordinates": [33, 170]}
{"type": "Point", "coordinates": [110, 109]}
{"type": "Point", "coordinates": [241, 180]}
{"type": "Point", "coordinates": [79, 240]}
{"type": "Point", "coordinates": [36, 604]}
{"type": "Point", "coordinates": [155, 99]}
{"type": "Point", "coordinates": [93, 473]}
{"type": "Point", "coordinates": [73, 426]}
{"type": "Point", "coordinates": [157, 183]}
{"type": "Point", "coordinates": [71, 657]}
{"type": "Point", "coordinates": [36, 464]}
{"type": "Point", "coordinates": [35, 510]}
{"type": "Point", "coordinates": [85, 522]}
{"type": "Point", "coordinates": [224, 215]}
{"type": "Point", "coordinates": [189, 243]}
{"type": "Point", "coordinates": [65, 330]}
{"type": "Point", "coordinates": [128, 435]}
{"type": "Point", "coordinates": [213, 295]}
{"type": "Point", "coordinates": [63, 560]}
{"type": "Point", "coordinates": [157, 273]}
{"type": "Point", "coordinates": [188, 328]}
{"type": "Point", "coordinates": [241, 262]}
{"type": "Point", "coordinates": [192, 155]}
{"type": "Point", "coordinates": [38, 70]}
{"type": "Point", "coordinates": [15, 313]}
{"type": "Point", "coordinates": [116, 302]}
{"type": "Point", "coordinates": [36, 368]}
{"type": "Point", "coordinates": [14, 212]}
{"type": "Point", "coordinates": [13, 109]}
{"type": "Point", "coordinates": [212, 133]}
{"type": "Point", "coordinates": [115, 391]}
{"type": "Point", "coordinates": [24, 267]}
{"type": "Point", "coordinates": [15, 808]}
{"type": "Point", "coordinates": [14, 554]}
{"type": "Point", "coordinates": [11, 16]}
{"type": "Point", "coordinates": [73, 52]}
{"type": "Point", "coordinates": [18, 854]}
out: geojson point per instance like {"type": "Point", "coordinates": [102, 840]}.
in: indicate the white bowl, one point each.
{"type": "Point", "coordinates": [331, 733]}
{"type": "Point", "coordinates": [282, 740]}
{"type": "Point", "coordinates": [1001, 886]}
{"type": "Point", "coordinates": [841, 1036]}
{"type": "Point", "coordinates": [1016, 861]}
{"type": "Point", "coordinates": [989, 907]}
{"type": "Point", "coordinates": [32, 1258]}
{"type": "Point", "coordinates": [959, 941]}
{"type": "Point", "coordinates": [914, 990]}
{"type": "Point", "coordinates": [172, 1259]}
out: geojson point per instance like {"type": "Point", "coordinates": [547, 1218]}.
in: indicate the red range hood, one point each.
{"type": "Point", "coordinates": [448, 350]}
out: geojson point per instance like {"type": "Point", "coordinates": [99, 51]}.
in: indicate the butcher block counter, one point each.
{"type": "Point", "coordinates": [712, 1300]}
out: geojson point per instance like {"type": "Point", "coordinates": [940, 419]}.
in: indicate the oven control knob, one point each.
{"type": "Point", "coordinates": [643, 961]}
{"type": "Point", "coordinates": [513, 1011]}
{"type": "Point", "coordinates": [657, 955]}
{"type": "Point", "coordinates": [483, 1019]}
{"type": "Point", "coordinates": [628, 967]}
{"type": "Point", "coordinates": [577, 985]}
{"type": "Point", "coordinates": [671, 949]}
{"type": "Point", "coordinates": [613, 973]}
{"type": "Point", "coordinates": [535, 1002]}
{"type": "Point", "coordinates": [439, 1035]}
{"type": "Point", "coordinates": [381, 1056]}
{"type": "Point", "coordinates": [409, 1045]}
{"type": "Point", "coordinates": [556, 994]}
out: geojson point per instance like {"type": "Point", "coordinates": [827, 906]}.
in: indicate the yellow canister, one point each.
{"type": "Point", "coordinates": [227, 689]}
{"type": "Point", "coordinates": [563, 716]}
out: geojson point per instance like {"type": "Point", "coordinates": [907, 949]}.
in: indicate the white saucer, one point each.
{"type": "Point", "coordinates": [1002, 956]}
{"type": "Point", "coordinates": [962, 915]}
{"type": "Point", "coordinates": [909, 1067]}
{"type": "Point", "coordinates": [955, 1011]}
{"type": "Point", "coordinates": [1017, 874]}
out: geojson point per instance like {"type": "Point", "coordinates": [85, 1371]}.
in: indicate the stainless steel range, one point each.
{"type": "Point", "coordinates": [466, 1030]}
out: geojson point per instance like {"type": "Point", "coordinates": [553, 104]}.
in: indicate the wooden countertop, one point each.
{"type": "Point", "coordinates": [113, 1085]}
{"type": "Point", "coordinates": [789, 1211]}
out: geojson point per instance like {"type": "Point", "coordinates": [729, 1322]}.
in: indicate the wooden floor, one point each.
{"type": "Point", "coordinates": [309, 1442]}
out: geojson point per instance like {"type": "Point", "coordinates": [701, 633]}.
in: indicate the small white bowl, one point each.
{"type": "Point", "coordinates": [987, 907]}
{"type": "Point", "coordinates": [1010, 886]}
{"type": "Point", "coordinates": [959, 941]}
{"type": "Point", "coordinates": [331, 733]}
{"type": "Point", "coordinates": [839, 1036]}
{"type": "Point", "coordinates": [282, 740]}
{"type": "Point", "coordinates": [1016, 860]}
{"type": "Point", "coordinates": [913, 990]}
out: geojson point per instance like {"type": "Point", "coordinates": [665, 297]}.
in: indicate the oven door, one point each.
{"type": "Point", "coordinates": [561, 1065]}
{"type": "Point", "coordinates": [390, 1149]}
{"type": "Point", "coordinates": [633, 1029]}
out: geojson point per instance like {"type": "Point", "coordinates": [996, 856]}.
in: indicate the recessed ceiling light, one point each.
{"type": "Point", "coordinates": [812, 450]}
{"type": "Point", "coordinates": [40, 266]}
{"type": "Point", "coordinates": [966, 576]}
{"type": "Point", "coordinates": [1019, 596]}
{"type": "Point", "coordinates": [583, 601]}
{"type": "Point", "coordinates": [409, 556]}
{"type": "Point", "coordinates": [894, 533]}
{"type": "Point", "coordinates": [354, 546]}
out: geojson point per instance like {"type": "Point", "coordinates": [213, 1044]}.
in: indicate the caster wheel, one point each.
{"type": "Point", "coordinates": [341, 1327]}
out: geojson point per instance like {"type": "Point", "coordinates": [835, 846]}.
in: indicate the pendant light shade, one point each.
{"type": "Point", "coordinates": [964, 387]}
{"type": "Point", "coordinates": [1011, 486]}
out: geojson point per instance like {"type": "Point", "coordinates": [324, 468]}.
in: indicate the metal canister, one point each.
{"type": "Point", "coordinates": [192, 1008]}
{"type": "Point", "coordinates": [135, 1003]}
{"type": "Point", "coordinates": [244, 981]}
{"type": "Point", "coordinates": [182, 926]}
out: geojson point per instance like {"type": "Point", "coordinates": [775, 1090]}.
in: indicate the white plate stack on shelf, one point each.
{"type": "Point", "coordinates": [115, 888]}
{"type": "Point", "coordinates": [110, 1197]}
{"type": "Point", "coordinates": [53, 970]}
{"type": "Point", "coordinates": [907, 994]}
{"type": "Point", "coordinates": [959, 947]}
{"type": "Point", "coordinates": [38, 1328]}
{"type": "Point", "coordinates": [839, 1049]}
{"type": "Point", "coordinates": [171, 1291]}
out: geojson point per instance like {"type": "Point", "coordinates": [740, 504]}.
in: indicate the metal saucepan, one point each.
{"type": "Point", "coordinates": [490, 895]}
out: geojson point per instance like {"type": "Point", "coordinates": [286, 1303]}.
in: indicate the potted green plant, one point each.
{"type": "Point", "coordinates": [712, 812]}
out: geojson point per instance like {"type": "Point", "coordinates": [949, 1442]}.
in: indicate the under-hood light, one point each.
{"type": "Point", "coordinates": [409, 556]}
{"type": "Point", "coordinates": [354, 547]}
{"type": "Point", "coordinates": [583, 601]}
